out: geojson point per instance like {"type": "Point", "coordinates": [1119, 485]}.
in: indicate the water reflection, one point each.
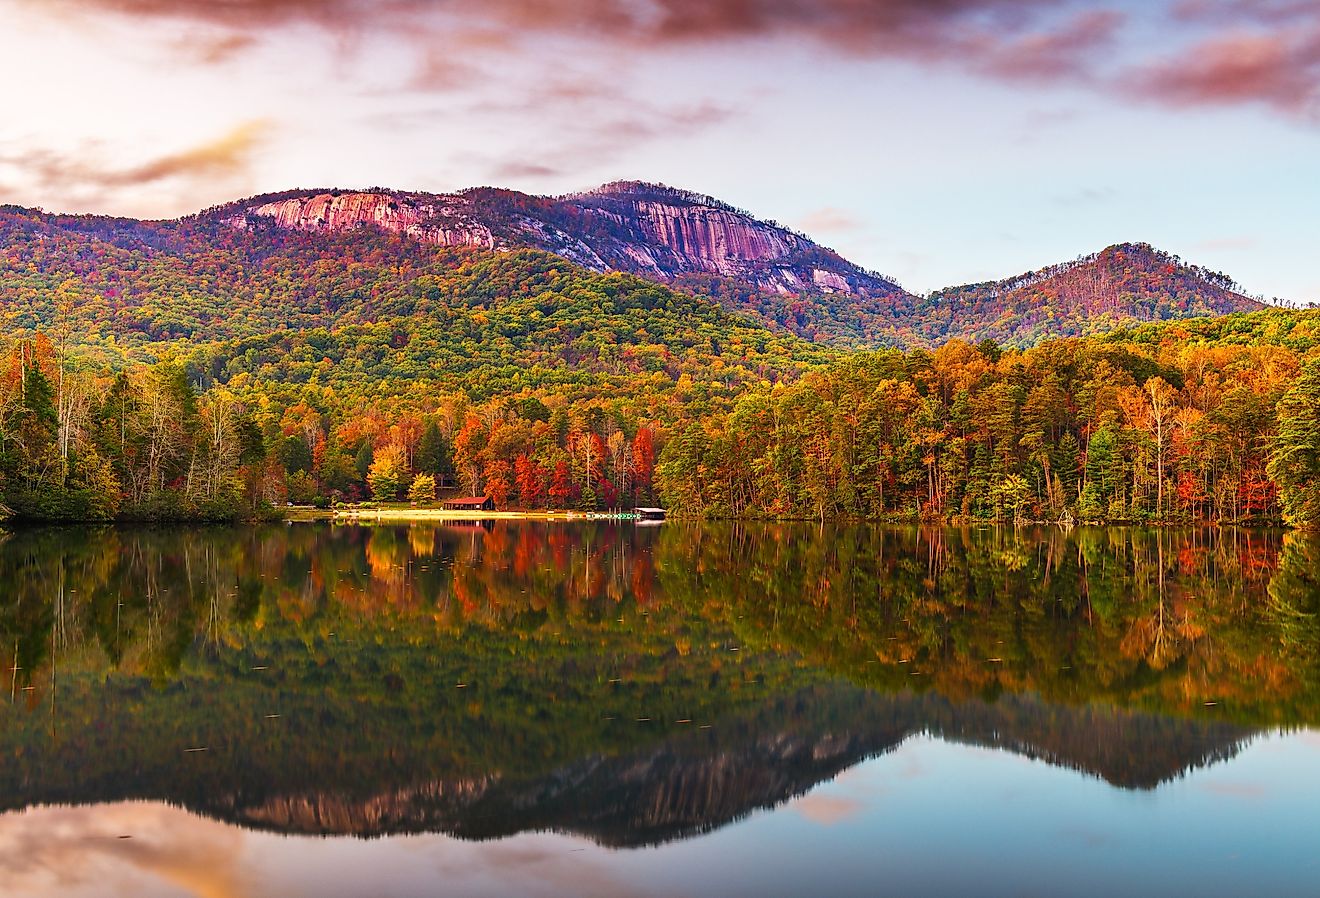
{"type": "Point", "coordinates": [631, 685]}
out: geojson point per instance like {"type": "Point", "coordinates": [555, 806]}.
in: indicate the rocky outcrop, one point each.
{"type": "Point", "coordinates": [343, 211]}
{"type": "Point", "coordinates": [650, 230]}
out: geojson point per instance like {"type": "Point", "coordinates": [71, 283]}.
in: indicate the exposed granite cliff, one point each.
{"type": "Point", "coordinates": [646, 229]}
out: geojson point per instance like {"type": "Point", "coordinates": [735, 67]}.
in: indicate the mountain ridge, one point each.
{"type": "Point", "coordinates": [639, 227]}
{"type": "Point", "coordinates": [683, 239]}
{"type": "Point", "coordinates": [788, 263]}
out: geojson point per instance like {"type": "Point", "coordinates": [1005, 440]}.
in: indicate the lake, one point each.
{"type": "Point", "coordinates": [600, 708]}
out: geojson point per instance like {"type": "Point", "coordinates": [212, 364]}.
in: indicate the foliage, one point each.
{"type": "Point", "coordinates": [422, 489]}
{"type": "Point", "coordinates": [1098, 293]}
{"type": "Point", "coordinates": [1164, 427]}
{"type": "Point", "coordinates": [201, 365]}
{"type": "Point", "coordinates": [1295, 463]}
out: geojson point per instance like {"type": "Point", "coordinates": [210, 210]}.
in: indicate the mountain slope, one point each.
{"type": "Point", "coordinates": [326, 259]}
{"type": "Point", "coordinates": [657, 232]}
{"type": "Point", "coordinates": [651, 230]}
{"type": "Point", "coordinates": [1122, 284]}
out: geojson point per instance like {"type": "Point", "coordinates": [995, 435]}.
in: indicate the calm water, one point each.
{"type": "Point", "coordinates": [591, 709]}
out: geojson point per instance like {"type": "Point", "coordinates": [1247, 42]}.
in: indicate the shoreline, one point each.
{"type": "Point", "coordinates": [307, 514]}
{"type": "Point", "coordinates": [355, 515]}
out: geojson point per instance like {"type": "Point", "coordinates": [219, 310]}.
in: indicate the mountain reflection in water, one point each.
{"type": "Point", "coordinates": [631, 685]}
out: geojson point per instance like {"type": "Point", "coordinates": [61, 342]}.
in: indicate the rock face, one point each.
{"type": "Point", "coordinates": [645, 229]}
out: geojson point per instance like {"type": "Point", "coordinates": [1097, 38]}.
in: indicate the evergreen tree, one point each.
{"type": "Point", "coordinates": [434, 455]}
{"type": "Point", "coordinates": [39, 401]}
{"type": "Point", "coordinates": [362, 461]}
{"type": "Point", "coordinates": [1295, 462]}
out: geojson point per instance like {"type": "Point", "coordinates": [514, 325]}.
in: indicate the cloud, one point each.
{"type": "Point", "coordinates": [678, 20]}
{"type": "Point", "coordinates": [1208, 52]}
{"type": "Point", "coordinates": [1085, 196]}
{"type": "Point", "coordinates": [1064, 52]}
{"type": "Point", "coordinates": [213, 49]}
{"type": "Point", "coordinates": [84, 177]}
{"type": "Point", "coordinates": [1278, 69]}
{"type": "Point", "coordinates": [588, 126]}
{"type": "Point", "coordinates": [1007, 38]}
{"type": "Point", "coordinates": [225, 156]}
{"type": "Point", "coordinates": [520, 170]}
{"type": "Point", "coordinates": [829, 219]}
{"type": "Point", "coordinates": [1257, 52]}
{"type": "Point", "coordinates": [257, 14]}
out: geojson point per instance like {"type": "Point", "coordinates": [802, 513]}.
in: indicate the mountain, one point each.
{"type": "Point", "coordinates": [330, 258]}
{"type": "Point", "coordinates": [121, 284]}
{"type": "Point", "coordinates": [657, 232]}
{"type": "Point", "coordinates": [1122, 284]}
{"type": "Point", "coordinates": [697, 242]}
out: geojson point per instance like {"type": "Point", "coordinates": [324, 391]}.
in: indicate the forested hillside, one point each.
{"type": "Point", "coordinates": [304, 260]}
{"type": "Point", "coordinates": [206, 277]}
{"type": "Point", "coordinates": [515, 374]}
{"type": "Point", "coordinates": [1120, 285]}
{"type": "Point", "coordinates": [201, 369]}
{"type": "Point", "coordinates": [1217, 420]}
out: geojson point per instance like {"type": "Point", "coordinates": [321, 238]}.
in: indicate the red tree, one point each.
{"type": "Point", "coordinates": [643, 460]}
{"type": "Point", "coordinates": [530, 478]}
{"type": "Point", "coordinates": [561, 485]}
{"type": "Point", "coordinates": [499, 482]}
{"type": "Point", "coordinates": [609, 495]}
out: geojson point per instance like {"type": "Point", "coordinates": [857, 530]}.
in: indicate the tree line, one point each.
{"type": "Point", "coordinates": [1090, 430]}
{"type": "Point", "coordinates": [1216, 420]}
{"type": "Point", "coordinates": [83, 443]}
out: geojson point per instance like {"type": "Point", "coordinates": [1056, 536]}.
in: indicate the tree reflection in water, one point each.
{"type": "Point", "coordinates": [633, 684]}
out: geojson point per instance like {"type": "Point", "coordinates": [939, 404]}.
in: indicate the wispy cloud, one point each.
{"type": "Point", "coordinates": [585, 124]}
{"type": "Point", "coordinates": [1085, 196]}
{"type": "Point", "coordinates": [829, 219]}
{"type": "Point", "coordinates": [1279, 70]}
{"type": "Point", "coordinates": [1261, 52]}
{"type": "Point", "coordinates": [1211, 52]}
{"type": "Point", "coordinates": [1007, 38]}
{"type": "Point", "coordinates": [85, 177]}
{"type": "Point", "coordinates": [1226, 244]}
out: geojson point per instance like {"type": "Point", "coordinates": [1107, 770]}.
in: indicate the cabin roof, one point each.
{"type": "Point", "coordinates": [468, 500]}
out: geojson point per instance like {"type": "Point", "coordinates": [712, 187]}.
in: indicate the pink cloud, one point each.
{"type": "Point", "coordinates": [1280, 69]}
{"type": "Point", "coordinates": [829, 219]}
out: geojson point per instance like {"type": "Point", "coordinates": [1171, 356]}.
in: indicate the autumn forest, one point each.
{"type": "Point", "coordinates": [198, 372]}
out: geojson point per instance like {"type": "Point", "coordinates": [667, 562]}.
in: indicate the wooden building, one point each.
{"type": "Point", "coordinates": [470, 503]}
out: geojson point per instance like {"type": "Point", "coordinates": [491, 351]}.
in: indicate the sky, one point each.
{"type": "Point", "coordinates": [936, 141]}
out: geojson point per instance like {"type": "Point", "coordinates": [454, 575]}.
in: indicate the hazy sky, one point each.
{"type": "Point", "coordinates": [938, 141]}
